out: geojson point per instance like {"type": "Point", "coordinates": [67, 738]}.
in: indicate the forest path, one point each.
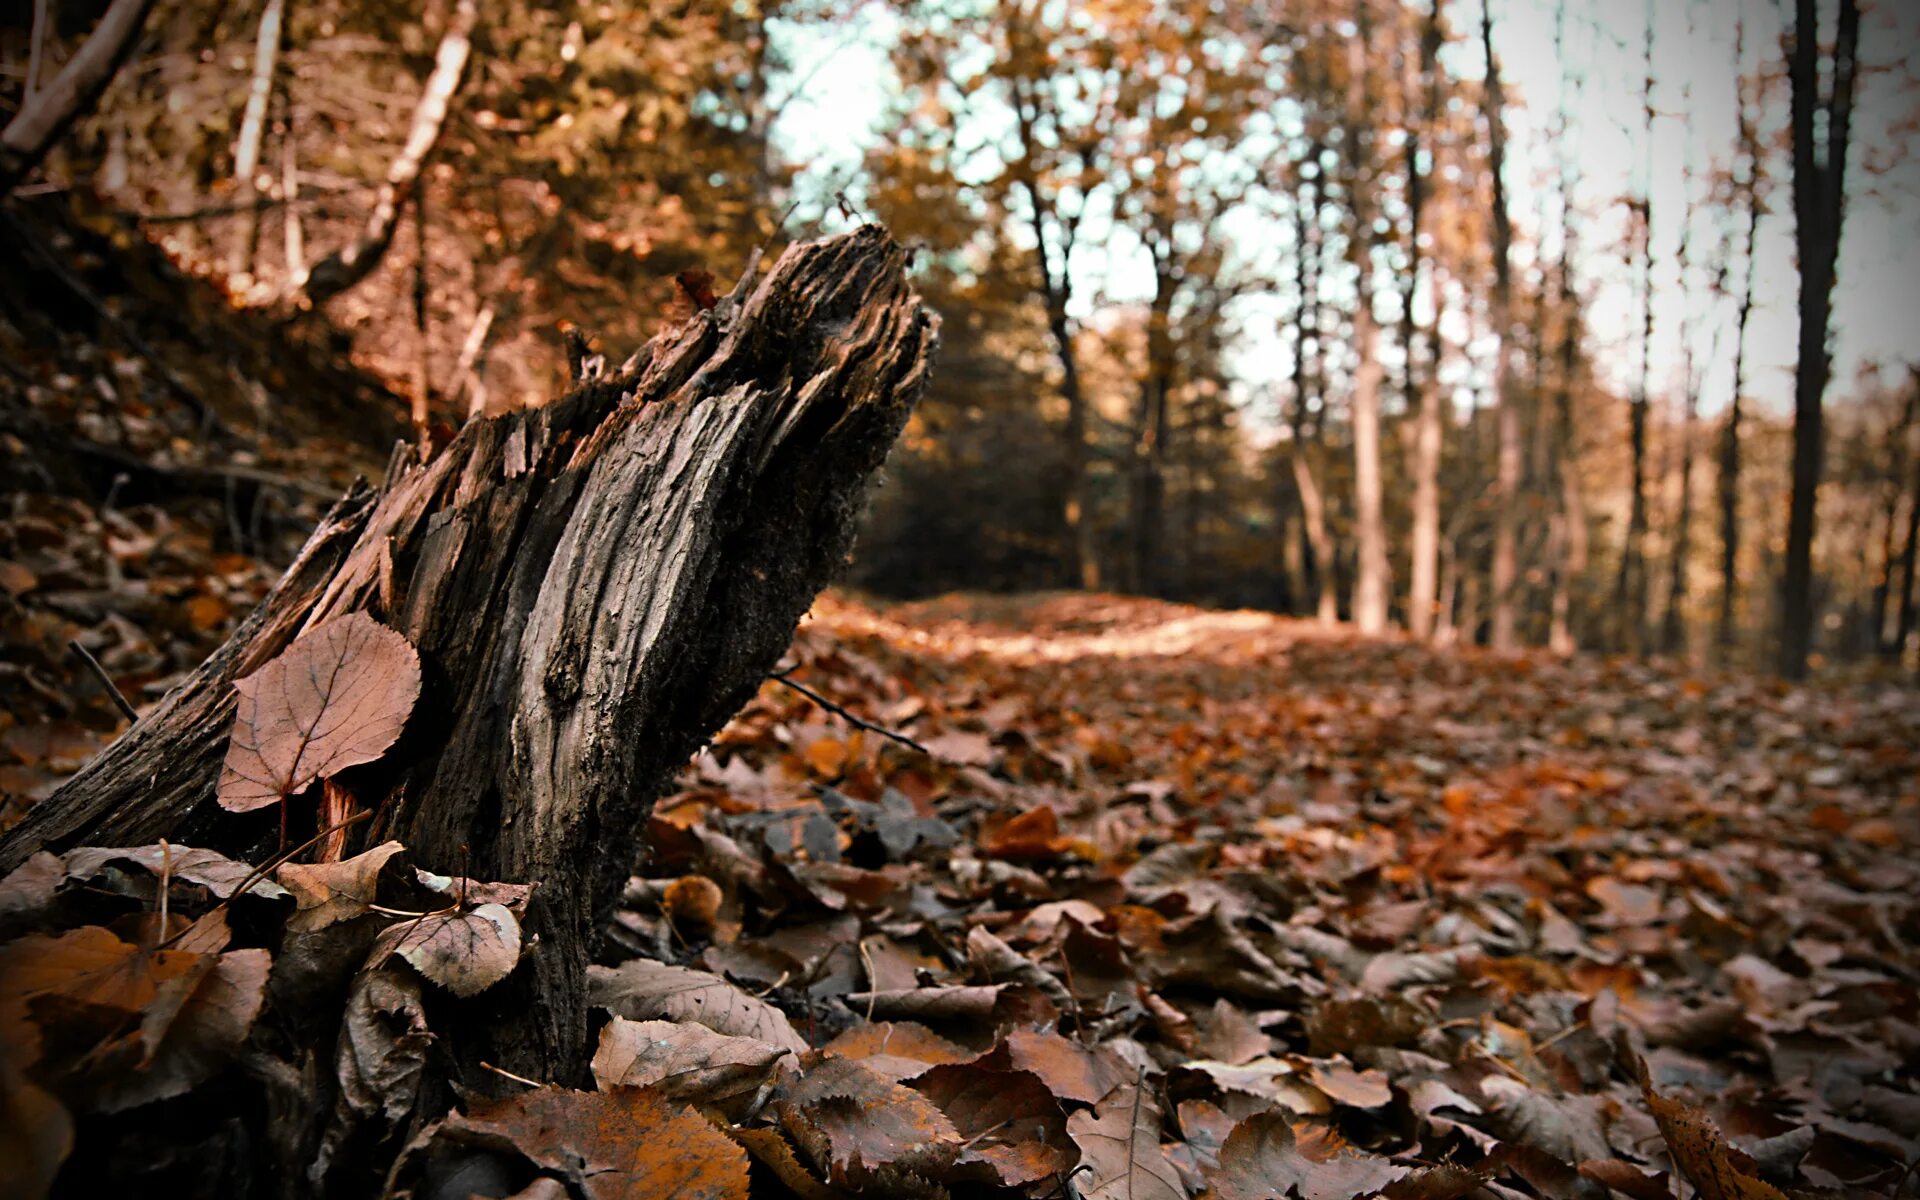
{"type": "Point", "coordinates": [1438, 898]}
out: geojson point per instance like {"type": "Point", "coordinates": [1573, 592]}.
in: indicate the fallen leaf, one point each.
{"type": "Point", "coordinates": [625, 1144]}
{"type": "Point", "coordinates": [327, 893]}
{"type": "Point", "coordinates": [36, 1135]}
{"type": "Point", "coordinates": [215, 872]}
{"type": "Point", "coordinates": [852, 1121]}
{"type": "Point", "coordinates": [1701, 1151]}
{"type": "Point", "coordinates": [1120, 1141]}
{"type": "Point", "coordinates": [1267, 1155]}
{"type": "Point", "coordinates": [338, 696]}
{"type": "Point", "coordinates": [645, 991]}
{"type": "Point", "coordinates": [464, 952]}
{"type": "Point", "coordinates": [685, 1062]}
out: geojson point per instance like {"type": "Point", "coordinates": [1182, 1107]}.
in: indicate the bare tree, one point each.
{"type": "Point", "coordinates": [1822, 120]}
{"type": "Point", "coordinates": [1630, 586]}
{"type": "Point", "coordinates": [1422, 397]}
{"type": "Point", "coordinates": [1749, 179]}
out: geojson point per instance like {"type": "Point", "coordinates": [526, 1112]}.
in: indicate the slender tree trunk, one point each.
{"type": "Point", "coordinates": [45, 115]}
{"type": "Point", "coordinates": [1370, 586]}
{"type": "Point", "coordinates": [1152, 433]}
{"type": "Point", "coordinates": [1904, 615]}
{"type": "Point", "coordinates": [1571, 561]}
{"type": "Point", "coordinates": [1673, 633]}
{"type": "Point", "coordinates": [1372, 583]}
{"type": "Point", "coordinates": [355, 261]}
{"type": "Point", "coordinates": [253, 125]}
{"type": "Point", "coordinates": [1630, 587]}
{"type": "Point", "coordinates": [1729, 481]}
{"type": "Point", "coordinates": [1422, 397]}
{"type": "Point", "coordinates": [1506, 566]}
{"type": "Point", "coordinates": [594, 587]}
{"type": "Point", "coordinates": [1819, 209]}
{"type": "Point", "coordinates": [1308, 382]}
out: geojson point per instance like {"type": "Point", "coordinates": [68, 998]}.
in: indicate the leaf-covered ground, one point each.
{"type": "Point", "coordinates": [1179, 901]}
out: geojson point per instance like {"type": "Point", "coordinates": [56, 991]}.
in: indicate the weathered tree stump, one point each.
{"type": "Point", "coordinates": [594, 587]}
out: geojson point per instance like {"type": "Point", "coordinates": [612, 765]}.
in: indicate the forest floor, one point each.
{"type": "Point", "coordinates": [1442, 903]}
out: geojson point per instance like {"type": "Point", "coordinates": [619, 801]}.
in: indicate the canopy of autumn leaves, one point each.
{"type": "Point", "coordinates": [1167, 903]}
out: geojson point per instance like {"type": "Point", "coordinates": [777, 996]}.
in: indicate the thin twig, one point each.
{"type": "Point", "coordinates": [106, 681]}
{"type": "Point", "coordinates": [506, 1074]}
{"type": "Point", "coordinates": [848, 717]}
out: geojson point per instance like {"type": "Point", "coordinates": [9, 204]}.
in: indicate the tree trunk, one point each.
{"type": "Point", "coordinates": [46, 114]}
{"type": "Point", "coordinates": [1729, 482]}
{"type": "Point", "coordinates": [1571, 520]}
{"type": "Point", "coordinates": [1819, 205]}
{"type": "Point", "coordinates": [1503, 634]}
{"type": "Point", "coordinates": [1370, 584]}
{"type": "Point", "coordinates": [253, 125]}
{"type": "Point", "coordinates": [1422, 396]}
{"type": "Point", "coordinates": [1630, 586]}
{"type": "Point", "coordinates": [594, 587]}
{"type": "Point", "coordinates": [1904, 614]}
{"type": "Point", "coordinates": [352, 263]}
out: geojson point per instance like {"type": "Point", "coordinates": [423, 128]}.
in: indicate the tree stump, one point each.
{"type": "Point", "coordinates": [594, 587]}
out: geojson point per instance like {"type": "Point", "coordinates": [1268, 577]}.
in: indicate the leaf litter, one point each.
{"type": "Point", "coordinates": [1179, 904]}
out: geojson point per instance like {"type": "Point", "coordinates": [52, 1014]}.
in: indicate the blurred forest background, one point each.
{"type": "Point", "coordinates": [1502, 323]}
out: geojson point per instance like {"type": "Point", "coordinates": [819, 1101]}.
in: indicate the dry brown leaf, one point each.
{"type": "Point", "coordinates": [685, 1062]}
{"type": "Point", "coordinates": [647, 991]}
{"type": "Point", "coordinates": [326, 893]}
{"type": "Point", "coordinates": [186, 1046]}
{"type": "Point", "coordinates": [1119, 1141]}
{"type": "Point", "coordinates": [464, 952]}
{"type": "Point", "coordinates": [897, 1050]}
{"type": "Point", "coordinates": [30, 887]}
{"type": "Point", "coordinates": [36, 1135]}
{"type": "Point", "coordinates": [1267, 1155]}
{"type": "Point", "coordinates": [1716, 1168]}
{"type": "Point", "coordinates": [337, 697]}
{"type": "Point", "coordinates": [1010, 1122]}
{"type": "Point", "coordinates": [1070, 1070]}
{"type": "Point", "coordinates": [776, 1154]}
{"type": "Point", "coordinates": [215, 872]}
{"type": "Point", "coordinates": [626, 1144]}
{"type": "Point", "coordinates": [851, 1121]}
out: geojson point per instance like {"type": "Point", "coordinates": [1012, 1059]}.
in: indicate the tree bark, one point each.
{"type": "Point", "coordinates": [594, 587]}
{"type": "Point", "coordinates": [1819, 206]}
{"type": "Point", "coordinates": [352, 263]}
{"type": "Point", "coordinates": [48, 112]}
{"type": "Point", "coordinates": [1503, 634]}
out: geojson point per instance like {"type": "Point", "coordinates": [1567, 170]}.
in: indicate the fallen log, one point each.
{"type": "Point", "coordinates": [593, 587]}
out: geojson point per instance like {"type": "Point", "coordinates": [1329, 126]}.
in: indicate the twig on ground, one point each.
{"type": "Point", "coordinates": [849, 718]}
{"type": "Point", "coordinates": [106, 680]}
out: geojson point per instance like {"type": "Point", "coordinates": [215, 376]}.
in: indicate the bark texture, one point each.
{"type": "Point", "coordinates": [594, 588]}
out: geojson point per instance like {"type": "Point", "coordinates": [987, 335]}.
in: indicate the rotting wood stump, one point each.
{"type": "Point", "coordinates": [594, 588]}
